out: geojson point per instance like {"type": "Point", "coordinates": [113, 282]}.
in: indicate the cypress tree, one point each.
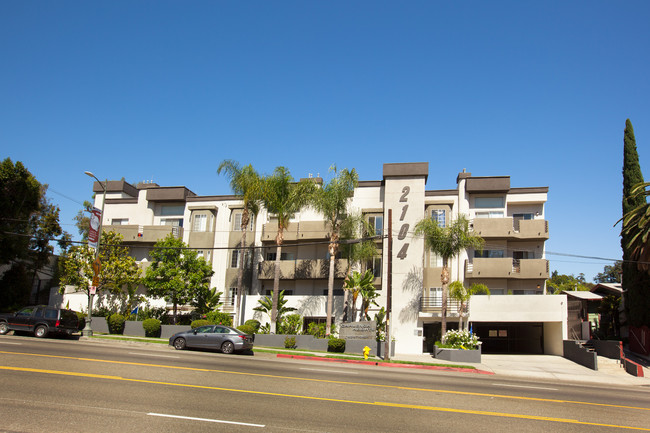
{"type": "Point", "coordinates": [635, 282]}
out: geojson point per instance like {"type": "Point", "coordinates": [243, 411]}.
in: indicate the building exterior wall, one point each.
{"type": "Point", "coordinates": [415, 279]}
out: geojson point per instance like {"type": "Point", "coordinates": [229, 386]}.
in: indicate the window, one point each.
{"type": "Point", "coordinates": [439, 216]}
{"type": "Point", "coordinates": [232, 293]}
{"type": "Point", "coordinates": [284, 256]}
{"type": "Point", "coordinates": [435, 261]}
{"type": "Point", "coordinates": [377, 224]}
{"type": "Point", "coordinates": [234, 259]}
{"type": "Point", "coordinates": [489, 202]}
{"type": "Point", "coordinates": [286, 292]}
{"type": "Point", "coordinates": [523, 216]}
{"type": "Point", "coordinates": [119, 221]}
{"type": "Point", "coordinates": [205, 255]}
{"type": "Point", "coordinates": [167, 210]}
{"type": "Point", "coordinates": [237, 222]}
{"type": "Point", "coordinates": [375, 265]}
{"type": "Point", "coordinates": [174, 222]}
{"type": "Point", "coordinates": [200, 223]}
{"type": "Point", "coordinates": [335, 292]}
{"type": "Point", "coordinates": [489, 214]}
{"type": "Point", "coordinates": [489, 254]}
{"type": "Point", "coordinates": [518, 255]}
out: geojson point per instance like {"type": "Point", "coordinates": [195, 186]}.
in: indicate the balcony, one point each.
{"type": "Point", "coordinates": [433, 304]}
{"type": "Point", "coordinates": [510, 228]}
{"type": "Point", "coordinates": [302, 269]}
{"type": "Point", "coordinates": [507, 268]}
{"type": "Point", "coordinates": [144, 234]}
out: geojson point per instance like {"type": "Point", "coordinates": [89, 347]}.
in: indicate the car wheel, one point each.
{"type": "Point", "coordinates": [40, 331]}
{"type": "Point", "coordinates": [228, 347]}
{"type": "Point", "coordinates": [179, 343]}
{"type": "Point", "coordinates": [4, 328]}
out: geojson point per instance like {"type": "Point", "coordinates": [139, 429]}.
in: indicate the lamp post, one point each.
{"type": "Point", "coordinates": [88, 331]}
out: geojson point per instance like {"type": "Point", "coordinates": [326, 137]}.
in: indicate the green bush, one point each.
{"type": "Point", "coordinates": [291, 324]}
{"type": "Point", "coordinates": [290, 342]}
{"type": "Point", "coordinates": [219, 318]}
{"type": "Point", "coordinates": [247, 329]}
{"type": "Point", "coordinates": [200, 322]}
{"type": "Point", "coordinates": [460, 339]}
{"type": "Point", "coordinates": [336, 345]}
{"type": "Point", "coordinates": [81, 320]}
{"type": "Point", "coordinates": [316, 329]}
{"type": "Point", "coordinates": [151, 327]}
{"type": "Point", "coordinates": [115, 323]}
{"type": "Point", "coordinates": [254, 323]}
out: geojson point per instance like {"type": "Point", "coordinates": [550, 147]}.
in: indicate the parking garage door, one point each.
{"type": "Point", "coordinates": [511, 337]}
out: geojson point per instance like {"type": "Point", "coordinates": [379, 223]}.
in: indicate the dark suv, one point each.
{"type": "Point", "coordinates": [41, 320]}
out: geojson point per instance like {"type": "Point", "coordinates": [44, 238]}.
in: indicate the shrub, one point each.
{"type": "Point", "coordinates": [316, 329]}
{"type": "Point", "coordinates": [291, 324]}
{"type": "Point", "coordinates": [115, 323]}
{"type": "Point", "coordinates": [336, 345]}
{"type": "Point", "coordinates": [81, 320]}
{"type": "Point", "coordinates": [151, 327]}
{"type": "Point", "coordinates": [219, 318]}
{"type": "Point", "coordinates": [200, 322]}
{"type": "Point", "coordinates": [290, 342]}
{"type": "Point", "coordinates": [247, 329]}
{"type": "Point", "coordinates": [459, 339]}
{"type": "Point", "coordinates": [254, 323]}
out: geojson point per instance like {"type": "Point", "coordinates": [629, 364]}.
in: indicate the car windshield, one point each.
{"type": "Point", "coordinates": [203, 329]}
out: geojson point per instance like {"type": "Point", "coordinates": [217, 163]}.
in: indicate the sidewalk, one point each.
{"type": "Point", "coordinates": [533, 367]}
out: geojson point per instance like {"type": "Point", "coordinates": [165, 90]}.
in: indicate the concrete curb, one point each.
{"type": "Point", "coordinates": [386, 364]}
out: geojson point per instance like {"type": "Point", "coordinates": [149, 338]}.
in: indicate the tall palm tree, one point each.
{"type": "Point", "coordinates": [636, 227]}
{"type": "Point", "coordinates": [246, 183]}
{"type": "Point", "coordinates": [332, 201]}
{"type": "Point", "coordinates": [282, 197]}
{"type": "Point", "coordinates": [447, 242]}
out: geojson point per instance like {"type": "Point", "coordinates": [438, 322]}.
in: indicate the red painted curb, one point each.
{"type": "Point", "coordinates": [385, 364]}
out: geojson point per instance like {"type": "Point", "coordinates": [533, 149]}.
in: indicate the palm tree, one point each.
{"type": "Point", "coordinates": [332, 201]}
{"type": "Point", "coordinates": [636, 227]}
{"type": "Point", "coordinates": [266, 306]}
{"type": "Point", "coordinates": [357, 284]}
{"type": "Point", "coordinates": [246, 183]}
{"type": "Point", "coordinates": [462, 294]}
{"type": "Point", "coordinates": [447, 242]}
{"type": "Point", "coordinates": [282, 198]}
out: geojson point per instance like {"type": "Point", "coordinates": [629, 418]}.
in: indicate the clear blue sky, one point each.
{"type": "Point", "coordinates": [165, 90]}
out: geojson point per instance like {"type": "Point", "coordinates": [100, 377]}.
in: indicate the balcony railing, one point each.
{"type": "Point", "coordinates": [506, 267]}
{"type": "Point", "coordinates": [144, 233]}
{"type": "Point", "coordinates": [510, 228]}
{"type": "Point", "coordinates": [430, 304]}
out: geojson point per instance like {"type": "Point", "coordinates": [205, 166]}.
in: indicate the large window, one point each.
{"type": "Point", "coordinates": [439, 216]}
{"type": "Point", "coordinates": [375, 266]}
{"type": "Point", "coordinates": [200, 223]}
{"type": "Point", "coordinates": [174, 222]}
{"type": "Point", "coordinates": [377, 223]}
{"type": "Point", "coordinates": [490, 254]}
{"type": "Point", "coordinates": [489, 214]}
{"type": "Point", "coordinates": [167, 210]}
{"type": "Point", "coordinates": [237, 222]}
{"type": "Point", "coordinates": [489, 202]}
{"type": "Point", "coordinates": [435, 261]}
{"type": "Point", "coordinates": [119, 221]}
{"type": "Point", "coordinates": [270, 256]}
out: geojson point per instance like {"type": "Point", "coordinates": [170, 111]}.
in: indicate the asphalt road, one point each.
{"type": "Point", "coordinates": [58, 385]}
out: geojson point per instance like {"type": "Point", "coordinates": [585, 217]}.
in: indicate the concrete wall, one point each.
{"type": "Point", "coordinates": [578, 354]}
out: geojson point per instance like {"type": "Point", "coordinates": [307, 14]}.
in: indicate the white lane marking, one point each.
{"type": "Point", "coordinates": [9, 342]}
{"type": "Point", "coordinates": [330, 371]}
{"type": "Point", "coordinates": [205, 419]}
{"type": "Point", "coordinates": [525, 386]}
{"type": "Point", "coordinates": [151, 354]}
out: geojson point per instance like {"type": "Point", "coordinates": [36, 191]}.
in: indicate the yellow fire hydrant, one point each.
{"type": "Point", "coordinates": [366, 351]}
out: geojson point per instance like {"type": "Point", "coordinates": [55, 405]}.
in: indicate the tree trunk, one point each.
{"type": "Point", "coordinates": [330, 289]}
{"type": "Point", "coordinates": [276, 281]}
{"type": "Point", "coordinates": [240, 273]}
{"type": "Point", "coordinates": [445, 294]}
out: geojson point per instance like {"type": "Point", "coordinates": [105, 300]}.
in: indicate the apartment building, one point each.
{"type": "Point", "coordinates": [516, 317]}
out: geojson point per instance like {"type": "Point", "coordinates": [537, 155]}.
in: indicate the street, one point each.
{"type": "Point", "coordinates": [58, 385]}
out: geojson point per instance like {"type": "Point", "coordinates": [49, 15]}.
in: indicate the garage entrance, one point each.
{"type": "Point", "coordinates": [522, 338]}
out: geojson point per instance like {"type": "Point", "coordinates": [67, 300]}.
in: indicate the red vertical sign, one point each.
{"type": "Point", "coordinates": [95, 222]}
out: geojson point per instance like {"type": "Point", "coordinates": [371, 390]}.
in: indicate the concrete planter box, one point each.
{"type": "Point", "coordinates": [457, 355]}
{"type": "Point", "coordinates": [308, 342]}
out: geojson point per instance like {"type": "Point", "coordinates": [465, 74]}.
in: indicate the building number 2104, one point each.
{"type": "Point", "coordinates": [404, 229]}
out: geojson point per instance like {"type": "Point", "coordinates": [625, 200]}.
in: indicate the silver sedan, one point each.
{"type": "Point", "coordinates": [221, 337]}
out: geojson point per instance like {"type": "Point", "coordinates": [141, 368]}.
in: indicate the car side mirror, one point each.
{"type": "Point", "coordinates": [195, 332]}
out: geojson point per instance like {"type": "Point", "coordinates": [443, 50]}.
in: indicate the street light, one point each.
{"type": "Point", "coordinates": [88, 331]}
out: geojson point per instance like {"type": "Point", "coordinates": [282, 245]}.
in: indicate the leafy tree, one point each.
{"type": "Point", "coordinates": [610, 274]}
{"type": "Point", "coordinates": [609, 311]}
{"type": "Point", "coordinates": [463, 294]}
{"type": "Point", "coordinates": [266, 305]}
{"type": "Point", "coordinates": [560, 282]}
{"type": "Point", "coordinates": [82, 220]}
{"type": "Point", "coordinates": [28, 222]}
{"type": "Point", "coordinates": [282, 198]}
{"type": "Point", "coordinates": [246, 183]}
{"type": "Point", "coordinates": [332, 201]}
{"type": "Point", "coordinates": [447, 242]}
{"type": "Point", "coordinates": [635, 234]}
{"type": "Point", "coordinates": [119, 273]}
{"type": "Point", "coordinates": [176, 273]}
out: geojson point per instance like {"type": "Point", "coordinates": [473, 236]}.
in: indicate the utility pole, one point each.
{"type": "Point", "coordinates": [389, 284]}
